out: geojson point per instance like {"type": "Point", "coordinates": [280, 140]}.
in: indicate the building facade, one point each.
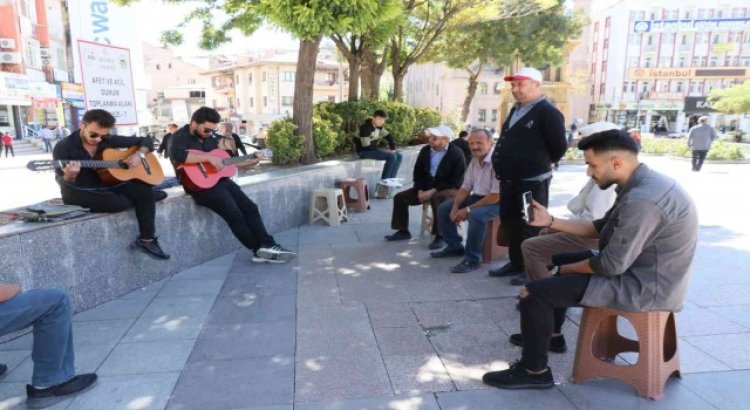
{"type": "Point", "coordinates": [653, 65]}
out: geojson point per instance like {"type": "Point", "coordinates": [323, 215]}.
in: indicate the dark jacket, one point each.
{"type": "Point", "coordinates": [370, 136]}
{"type": "Point", "coordinates": [531, 145]}
{"type": "Point", "coordinates": [164, 145]}
{"type": "Point", "coordinates": [464, 146]}
{"type": "Point", "coordinates": [450, 171]}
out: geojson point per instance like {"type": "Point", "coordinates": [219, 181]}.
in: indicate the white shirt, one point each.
{"type": "Point", "coordinates": [592, 202]}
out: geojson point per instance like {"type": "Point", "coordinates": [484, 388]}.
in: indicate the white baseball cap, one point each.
{"type": "Point", "coordinates": [526, 73]}
{"type": "Point", "coordinates": [441, 130]}
{"type": "Point", "coordinates": [596, 127]}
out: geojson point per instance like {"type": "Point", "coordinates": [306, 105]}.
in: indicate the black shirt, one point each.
{"type": "Point", "coordinates": [71, 148]}
{"type": "Point", "coordinates": [464, 145]}
{"type": "Point", "coordinates": [183, 140]}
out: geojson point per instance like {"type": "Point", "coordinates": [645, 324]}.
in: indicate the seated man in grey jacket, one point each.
{"type": "Point", "coordinates": [646, 246]}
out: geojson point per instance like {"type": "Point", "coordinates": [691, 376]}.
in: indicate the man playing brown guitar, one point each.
{"type": "Point", "coordinates": [83, 186]}
{"type": "Point", "coordinates": [192, 146]}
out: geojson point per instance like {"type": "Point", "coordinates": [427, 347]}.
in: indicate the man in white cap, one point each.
{"type": "Point", "coordinates": [646, 246]}
{"type": "Point", "coordinates": [531, 140]}
{"type": "Point", "coordinates": [438, 173]}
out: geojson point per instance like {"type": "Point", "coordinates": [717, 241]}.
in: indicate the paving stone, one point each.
{"type": "Point", "coordinates": [99, 332]}
{"type": "Point", "coordinates": [723, 390]}
{"type": "Point", "coordinates": [193, 306]}
{"type": "Point", "coordinates": [261, 284]}
{"type": "Point", "coordinates": [147, 292]}
{"type": "Point", "coordinates": [147, 357]}
{"type": "Point", "coordinates": [737, 314]}
{"type": "Point", "coordinates": [340, 377]}
{"type": "Point", "coordinates": [391, 315]}
{"type": "Point", "coordinates": [614, 394]}
{"type": "Point", "coordinates": [142, 391]}
{"type": "Point", "coordinates": [250, 307]}
{"type": "Point", "coordinates": [114, 309]}
{"type": "Point", "coordinates": [417, 374]}
{"type": "Point", "coordinates": [719, 295]}
{"type": "Point", "coordinates": [503, 313]}
{"type": "Point", "coordinates": [463, 312]}
{"type": "Point", "coordinates": [508, 399]}
{"type": "Point", "coordinates": [317, 317]}
{"type": "Point", "coordinates": [165, 327]}
{"type": "Point", "coordinates": [88, 360]}
{"type": "Point", "coordinates": [403, 402]}
{"type": "Point", "coordinates": [235, 384]}
{"type": "Point", "coordinates": [13, 396]}
{"type": "Point", "coordinates": [191, 287]}
{"type": "Point", "coordinates": [481, 286]}
{"type": "Point", "coordinates": [694, 360]}
{"type": "Point", "coordinates": [701, 321]}
{"type": "Point", "coordinates": [245, 340]}
{"type": "Point", "coordinates": [225, 260]}
{"type": "Point", "coordinates": [203, 272]}
{"type": "Point", "coordinates": [24, 342]}
{"type": "Point", "coordinates": [12, 358]}
{"type": "Point", "coordinates": [354, 339]}
{"type": "Point", "coordinates": [732, 350]}
{"type": "Point", "coordinates": [403, 341]}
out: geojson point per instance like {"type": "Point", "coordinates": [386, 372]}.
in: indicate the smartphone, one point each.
{"type": "Point", "coordinates": [528, 209]}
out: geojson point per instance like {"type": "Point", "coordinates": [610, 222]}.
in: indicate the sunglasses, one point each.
{"type": "Point", "coordinates": [208, 131]}
{"type": "Point", "coordinates": [95, 136]}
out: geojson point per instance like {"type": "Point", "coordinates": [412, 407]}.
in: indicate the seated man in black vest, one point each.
{"type": "Point", "coordinates": [438, 173]}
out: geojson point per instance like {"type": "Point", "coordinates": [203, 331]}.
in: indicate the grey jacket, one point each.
{"type": "Point", "coordinates": [700, 137]}
{"type": "Point", "coordinates": [647, 242]}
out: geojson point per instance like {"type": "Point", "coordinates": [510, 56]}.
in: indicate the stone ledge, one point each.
{"type": "Point", "coordinates": [90, 257]}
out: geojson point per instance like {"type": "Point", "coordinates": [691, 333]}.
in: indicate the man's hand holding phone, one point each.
{"type": "Point", "coordinates": [542, 218]}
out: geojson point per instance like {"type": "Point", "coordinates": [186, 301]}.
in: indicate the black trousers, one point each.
{"type": "Point", "coordinates": [9, 148]}
{"type": "Point", "coordinates": [511, 213]}
{"type": "Point", "coordinates": [543, 313]}
{"type": "Point", "coordinates": [117, 199]}
{"type": "Point", "coordinates": [406, 198]}
{"type": "Point", "coordinates": [698, 157]}
{"type": "Point", "coordinates": [241, 214]}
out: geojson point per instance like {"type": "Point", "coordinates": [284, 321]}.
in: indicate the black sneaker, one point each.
{"type": "Point", "coordinates": [556, 343]}
{"type": "Point", "coordinates": [273, 254]}
{"type": "Point", "coordinates": [519, 280]}
{"type": "Point", "coordinates": [447, 253]}
{"type": "Point", "coordinates": [508, 269]}
{"type": "Point", "coordinates": [41, 398]}
{"type": "Point", "coordinates": [438, 243]}
{"type": "Point", "coordinates": [159, 195]}
{"type": "Point", "coordinates": [465, 266]}
{"type": "Point", "coordinates": [3, 370]}
{"type": "Point", "coordinates": [516, 377]}
{"type": "Point", "coordinates": [151, 248]}
{"type": "Point", "coordinates": [401, 235]}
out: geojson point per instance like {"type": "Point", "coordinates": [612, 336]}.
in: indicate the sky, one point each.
{"type": "Point", "coordinates": [155, 17]}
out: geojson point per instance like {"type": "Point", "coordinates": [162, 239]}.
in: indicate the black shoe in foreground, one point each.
{"type": "Point", "coordinates": [41, 398]}
{"type": "Point", "coordinates": [447, 253]}
{"type": "Point", "coordinates": [273, 254]}
{"type": "Point", "coordinates": [398, 236]}
{"type": "Point", "coordinates": [151, 248]}
{"type": "Point", "coordinates": [159, 195]}
{"type": "Point", "coordinates": [556, 343]}
{"type": "Point", "coordinates": [438, 243]}
{"type": "Point", "coordinates": [466, 266]}
{"type": "Point", "coordinates": [508, 269]}
{"type": "Point", "coordinates": [516, 377]}
{"type": "Point", "coordinates": [3, 370]}
{"type": "Point", "coordinates": [519, 280]}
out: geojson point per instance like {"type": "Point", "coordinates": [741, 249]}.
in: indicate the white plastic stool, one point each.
{"type": "Point", "coordinates": [328, 205]}
{"type": "Point", "coordinates": [427, 220]}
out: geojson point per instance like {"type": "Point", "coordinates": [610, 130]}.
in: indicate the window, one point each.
{"type": "Point", "coordinates": [265, 101]}
{"type": "Point", "coordinates": [634, 38]}
{"type": "Point", "coordinates": [650, 40]}
{"type": "Point", "coordinates": [633, 61]}
{"type": "Point", "coordinates": [237, 79]}
{"type": "Point", "coordinates": [197, 94]}
{"type": "Point", "coordinates": [169, 65]}
{"type": "Point", "coordinates": [592, 90]}
{"type": "Point", "coordinates": [644, 87]}
{"type": "Point", "coordinates": [482, 115]}
{"type": "Point", "coordinates": [647, 64]}
{"type": "Point", "coordinates": [483, 88]}
{"type": "Point", "coordinates": [746, 61]}
{"type": "Point", "coordinates": [252, 102]}
{"type": "Point", "coordinates": [717, 39]}
{"type": "Point", "coordinates": [601, 89]}
{"type": "Point", "coordinates": [238, 102]}
{"type": "Point", "coordinates": [158, 67]}
{"type": "Point", "coordinates": [494, 115]}
{"type": "Point", "coordinates": [332, 98]}
{"type": "Point", "coordinates": [191, 81]}
{"type": "Point", "coordinates": [714, 61]}
{"type": "Point", "coordinates": [681, 62]}
{"type": "Point", "coordinates": [264, 79]}
{"type": "Point", "coordinates": [747, 37]}
{"type": "Point", "coordinates": [667, 38]}
{"type": "Point", "coordinates": [701, 14]}
{"type": "Point", "coordinates": [250, 78]}
{"type": "Point", "coordinates": [497, 88]}
{"type": "Point", "coordinates": [665, 61]}
{"type": "Point", "coordinates": [701, 38]}
{"type": "Point", "coordinates": [684, 40]}
{"type": "Point", "coordinates": [287, 76]}
{"type": "Point", "coordinates": [687, 15]}
{"type": "Point", "coordinates": [673, 14]}
{"type": "Point", "coordinates": [287, 101]}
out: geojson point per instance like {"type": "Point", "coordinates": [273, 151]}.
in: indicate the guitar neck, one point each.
{"type": "Point", "coordinates": [89, 163]}
{"type": "Point", "coordinates": [234, 160]}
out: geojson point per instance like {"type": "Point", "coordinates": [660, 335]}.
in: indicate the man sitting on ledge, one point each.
{"type": "Point", "coordinates": [371, 133]}
{"type": "Point", "coordinates": [476, 202]}
{"type": "Point", "coordinates": [646, 242]}
{"type": "Point", "coordinates": [49, 312]}
{"type": "Point", "coordinates": [438, 173]}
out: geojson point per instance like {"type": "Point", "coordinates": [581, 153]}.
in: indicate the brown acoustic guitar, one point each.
{"type": "Point", "coordinates": [111, 168]}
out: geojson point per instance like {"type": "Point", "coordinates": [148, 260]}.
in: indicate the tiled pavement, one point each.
{"type": "Point", "coordinates": [356, 323]}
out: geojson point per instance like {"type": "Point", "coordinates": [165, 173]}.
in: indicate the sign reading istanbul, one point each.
{"type": "Point", "coordinates": [674, 73]}
{"type": "Point", "coordinates": [108, 80]}
{"type": "Point", "coordinates": [674, 26]}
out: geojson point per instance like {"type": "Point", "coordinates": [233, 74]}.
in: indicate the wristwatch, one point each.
{"type": "Point", "coordinates": [141, 154]}
{"type": "Point", "coordinates": [468, 209]}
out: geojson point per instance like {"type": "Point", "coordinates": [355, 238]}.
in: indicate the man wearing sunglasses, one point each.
{"type": "Point", "coordinates": [83, 187]}
{"type": "Point", "coordinates": [225, 198]}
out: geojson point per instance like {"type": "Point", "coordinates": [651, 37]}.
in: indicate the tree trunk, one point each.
{"type": "Point", "coordinates": [303, 95]}
{"type": "Point", "coordinates": [470, 93]}
{"type": "Point", "coordinates": [398, 83]}
{"type": "Point", "coordinates": [354, 66]}
{"type": "Point", "coordinates": [372, 71]}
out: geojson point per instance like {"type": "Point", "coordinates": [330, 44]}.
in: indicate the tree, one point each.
{"type": "Point", "coordinates": [732, 100]}
{"type": "Point", "coordinates": [357, 46]}
{"type": "Point", "coordinates": [308, 20]}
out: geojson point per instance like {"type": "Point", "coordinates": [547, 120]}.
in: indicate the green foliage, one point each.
{"type": "Point", "coordinates": [426, 118]}
{"type": "Point", "coordinates": [734, 100]}
{"type": "Point", "coordinates": [327, 133]}
{"type": "Point", "coordinates": [678, 147]}
{"type": "Point", "coordinates": [283, 140]}
{"type": "Point", "coordinates": [573, 154]}
{"type": "Point", "coordinates": [310, 19]}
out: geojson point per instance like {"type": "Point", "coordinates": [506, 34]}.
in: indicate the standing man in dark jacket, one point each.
{"type": "Point", "coordinates": [164, 146]}
{"type": "Point", "coordinates": [438, 173]}
{"type": "Point", "coordinates": [370, 134]}
{"type": "Point", "coordinates": [531, 140]}
{"type": "Point", "coordinates": [462, 142]}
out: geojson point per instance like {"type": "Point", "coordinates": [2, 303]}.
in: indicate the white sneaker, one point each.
{"type": "Point", "coordinates": [273, 254]}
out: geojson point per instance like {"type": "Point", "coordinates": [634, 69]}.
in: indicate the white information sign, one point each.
{"type": "Point", "coordinates": [108, 80]}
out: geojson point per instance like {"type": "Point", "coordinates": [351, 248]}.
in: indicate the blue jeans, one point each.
{"type": "Point", "coordinates": [478, 218]}
{"type": "Point", "coordinates": [48, 310]}
{"type": "Point", "coordinates": [392, 161]}
{"type": "Point", "coordinates": [47, 145]}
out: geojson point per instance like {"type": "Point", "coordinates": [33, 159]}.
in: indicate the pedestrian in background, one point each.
{"type": "Point", "coordinates": [700, 138]}
{"type": "Point", "coordinates": [8, 144]}
{"type": "Point", "coordinates": [47, 135]}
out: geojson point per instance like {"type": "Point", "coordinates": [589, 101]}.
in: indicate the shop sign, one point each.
{"type": "Point", "coordinates": [674, 73]}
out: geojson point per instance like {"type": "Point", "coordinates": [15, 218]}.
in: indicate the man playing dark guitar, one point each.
{"type": "Point", "coordinates": [190, 145]}
{"type": "Point", "coordinates": [83, 186]}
